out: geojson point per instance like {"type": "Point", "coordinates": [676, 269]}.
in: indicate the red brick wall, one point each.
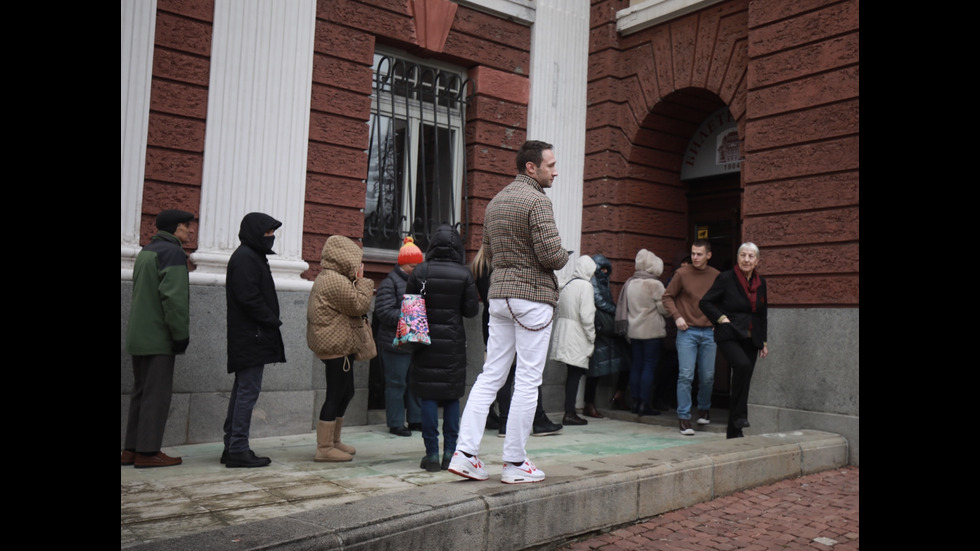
{"type": "Point", "coordinates": [178, 109]}
{"type": "Point", "coordinates": [489, 48]}
{"type": "Point", "coordinates": [494, 52]}
{"type": "Point", "coordinates": [801, 173]}
{"type": "Point", "coordinates": [788, 73]}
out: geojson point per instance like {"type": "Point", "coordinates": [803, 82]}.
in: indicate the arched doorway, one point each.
{"type": "Point", "coordinates": [711, 173]}
{"type": "Point", "coordinates": [667, 197]}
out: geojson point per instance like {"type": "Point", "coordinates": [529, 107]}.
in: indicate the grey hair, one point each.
{"type": "Point", "coordinates": [750, 246]}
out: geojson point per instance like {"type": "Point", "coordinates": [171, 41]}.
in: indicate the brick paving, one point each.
{"type": "Point", "coordinates": [817, 511]}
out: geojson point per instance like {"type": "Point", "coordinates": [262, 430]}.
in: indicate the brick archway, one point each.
{"type": "Point", "coordinates": [645, 103]}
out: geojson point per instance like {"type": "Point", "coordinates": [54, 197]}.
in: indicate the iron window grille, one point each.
{"type": "Point", "coordinates": [417, 157]}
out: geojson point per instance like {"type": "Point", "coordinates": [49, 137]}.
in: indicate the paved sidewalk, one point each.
{"type": "Point", "coordinates": [816, 511]}
{"type": "Point", "coordinates": [202, 495]}
{"type": "Point", "coordinates": [383, 498]}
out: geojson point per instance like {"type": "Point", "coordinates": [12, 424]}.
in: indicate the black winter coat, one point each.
{"type": "Point", "coordinates": [253, 306]}
{"type": "Point", "coordinates": [438, 371]}
{"type": "Point", "coordinates": [726, 297]}
{"type": "Point", "coordinates": [611, 353]}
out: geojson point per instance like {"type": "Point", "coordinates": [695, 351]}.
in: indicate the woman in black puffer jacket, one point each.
{"type": "Point", "coordinates": [438, 373]}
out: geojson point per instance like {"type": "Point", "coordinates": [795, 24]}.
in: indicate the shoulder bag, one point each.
{"type": "Point", "coordinates": [412, 330]}
{"type": "Point", "coordinates": [367, 349]}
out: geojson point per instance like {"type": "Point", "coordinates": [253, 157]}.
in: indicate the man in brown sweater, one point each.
{"type": "Point", "coordinates": [695, 335]}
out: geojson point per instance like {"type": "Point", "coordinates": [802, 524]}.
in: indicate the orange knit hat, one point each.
{"type": "Point", "coordinates": [410, 253]}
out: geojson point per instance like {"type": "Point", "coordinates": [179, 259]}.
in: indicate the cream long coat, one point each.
{"type": "Point", "coordinates": [573, 338]}
{"type": "Point", "coordinates": [644, 298]}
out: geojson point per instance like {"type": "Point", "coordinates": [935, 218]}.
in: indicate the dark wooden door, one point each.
{"type": "Point", "coordinates": [714, 213]}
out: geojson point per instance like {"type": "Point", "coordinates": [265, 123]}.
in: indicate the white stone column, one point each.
{"type": "Point", "coordinates": [138, 18]}
{"type": "Point", "coordinates": [556, 112]}
{"type": "Point", "coordinates": [255, 150]}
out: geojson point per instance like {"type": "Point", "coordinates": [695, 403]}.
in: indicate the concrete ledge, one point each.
{"type": "Point", "coordinates": [573, 500]}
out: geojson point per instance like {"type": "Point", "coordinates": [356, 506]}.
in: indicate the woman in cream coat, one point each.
{"type": "Point", "coordinates": [641, 303]}
{"type": "Point", "coordinates": [573, 339]}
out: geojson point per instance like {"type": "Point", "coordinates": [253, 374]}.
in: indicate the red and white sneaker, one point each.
{"type": "Point", "coordinates": [468, 467]}
{"type": "Point", "coordinates": [519, 475]}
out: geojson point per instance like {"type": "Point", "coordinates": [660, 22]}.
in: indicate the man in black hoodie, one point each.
{"type": "Point", "coordinates": [254, 338]}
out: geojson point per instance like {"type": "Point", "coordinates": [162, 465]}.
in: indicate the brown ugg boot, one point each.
{"type": "Point", "coordinates": [325, 450]}
{"type": "Point", "coordinates": [336, 439]}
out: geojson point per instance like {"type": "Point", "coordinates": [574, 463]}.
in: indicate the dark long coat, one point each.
{"type": "Point", "coordinates": [438, 371]}
{"type": "Point", "coordinates": [611, 353]}
{"type": "Point", "coordinates": [254, 337]}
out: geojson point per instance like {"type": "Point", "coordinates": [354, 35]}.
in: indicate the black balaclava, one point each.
{"type": "Point", "coordinates": [252, 232]}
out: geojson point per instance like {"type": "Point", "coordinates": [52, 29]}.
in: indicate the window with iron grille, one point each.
{"type": "Point", "coordinates": [416, 156]}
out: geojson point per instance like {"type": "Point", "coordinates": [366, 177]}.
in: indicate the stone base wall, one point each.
{"type": "Point", "coordinates": [809, 381]}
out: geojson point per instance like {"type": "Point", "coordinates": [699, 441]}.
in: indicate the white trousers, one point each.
{"type": "Point", "coordinates": [507, 337]}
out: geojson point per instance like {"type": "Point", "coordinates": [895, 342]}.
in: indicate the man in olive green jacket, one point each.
{"type": "Point", "coordinates": [158, 330]}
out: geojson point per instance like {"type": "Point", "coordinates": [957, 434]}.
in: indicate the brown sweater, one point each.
{"type": "Point", "coordinates": [685, 291]}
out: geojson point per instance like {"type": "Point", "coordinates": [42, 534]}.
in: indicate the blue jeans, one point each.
{"type": "Point", "coordinates": [244, 394]}
{"type": "Point", "coordinates": [696, 345]}
{"type": "Point", "coordinates": [646, 354]}
{"type": "Point", "coordinates": [430, 425]}
{"type": "Point", "coordinates": [398, 395]}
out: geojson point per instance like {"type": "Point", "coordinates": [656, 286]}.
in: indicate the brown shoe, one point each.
{"type": "Point", "coordinates": [573, 419]}
{"type": "Point", "coordinates": [591, 411]}
{"type": "Point", "coordinates": [158, 459]}
{"type": "Point", "coordinates": [618, 401]}
{"type": "Point", "coordinates": [704, 417]}
{"type": "Point", "coordinates": [127, 458]}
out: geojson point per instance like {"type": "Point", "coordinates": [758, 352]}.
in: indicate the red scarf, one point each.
{"type": "Point", "coordinates": [750, 287]}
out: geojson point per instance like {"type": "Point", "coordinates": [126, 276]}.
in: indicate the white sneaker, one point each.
{"type": "Point", "coordinates": [704, 418]}
{"type": "Point", "coordinates": [468, 467]}
{"type": "Point", "coordinates": [519, 475]}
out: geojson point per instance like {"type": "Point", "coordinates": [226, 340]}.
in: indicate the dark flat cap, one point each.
{"type": "Point", "coordinates": [168, 219]}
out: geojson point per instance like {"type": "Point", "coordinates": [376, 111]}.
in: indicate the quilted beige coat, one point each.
{"type": "Point", "coordinates": [338, 301]}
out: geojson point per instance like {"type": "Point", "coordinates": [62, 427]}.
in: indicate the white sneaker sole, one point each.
{"type": "Point", "coordinates": [466, 472]}
{"type": "Point", "coordinates": [704, 422]}
{"type": "Point", "coordinates": [519, 479]}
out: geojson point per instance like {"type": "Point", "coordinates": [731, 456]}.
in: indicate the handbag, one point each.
{"type": "Point", "coordinates": [367, 349]}
{"type": "Point", "coordinates": [412, 330]}
{"type": "Point", "coordinates": [605, 324]}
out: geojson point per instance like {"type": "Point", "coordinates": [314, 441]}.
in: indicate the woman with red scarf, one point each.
{"type": "Point", "coordinates": [736, 305]}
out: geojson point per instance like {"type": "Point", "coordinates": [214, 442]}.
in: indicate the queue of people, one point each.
{"type": "Point", "coordinates": [528, 319]}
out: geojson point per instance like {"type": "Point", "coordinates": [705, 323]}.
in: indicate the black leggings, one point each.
{"type": "Point", "coordinates": [340, 387]}
{"type": "Point", "coordinates": [741, 356]}
{"type": "Point", "coordinates": [571, 387]}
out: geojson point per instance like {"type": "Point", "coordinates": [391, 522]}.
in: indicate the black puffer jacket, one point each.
{"type": "Point", "coordinates": [388, 307]}
{"type": "Point", "coordinates": [253, 306]}
{"type": "Point", "coordinates": [611, 353]}
{"type": "Point", "coordinates": [439, 370]}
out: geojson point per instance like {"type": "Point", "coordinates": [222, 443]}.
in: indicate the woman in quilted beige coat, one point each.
{"type": "Point", "coordinates": [335, 314]}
